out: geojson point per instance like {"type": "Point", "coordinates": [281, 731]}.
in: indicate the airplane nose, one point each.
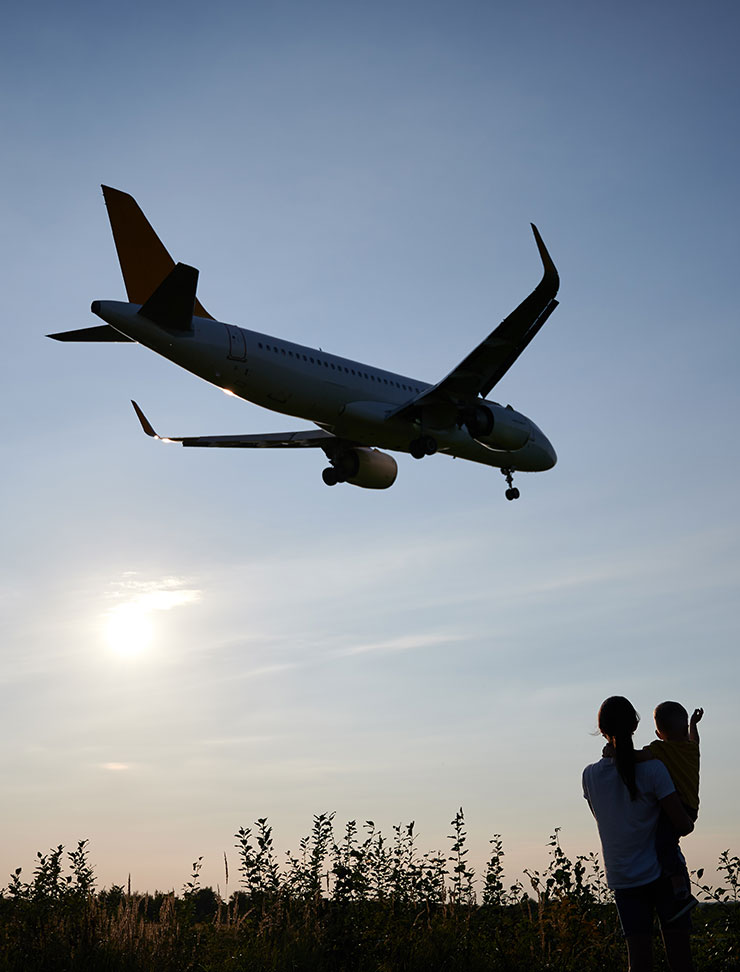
{"type": "Point", "coordinates": [552, 456]}
{"type": "Point", "coordinates": [95, 307]}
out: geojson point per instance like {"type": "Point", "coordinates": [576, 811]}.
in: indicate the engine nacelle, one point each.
{"type": "Point", "coordinates": [497, 427]}
{"type": "Point", "coordinates": [368, 468]}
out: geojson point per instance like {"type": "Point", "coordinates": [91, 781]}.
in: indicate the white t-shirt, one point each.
{"type": "Point", "coordinates": [627, 827]}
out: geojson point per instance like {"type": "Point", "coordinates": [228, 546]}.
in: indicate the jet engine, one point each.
{"type": "Point", "coordinates": [368, 468]}
{"type": "Point", "coordinates": [497, 427]}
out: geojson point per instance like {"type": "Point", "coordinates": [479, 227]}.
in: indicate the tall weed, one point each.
{"type": "Point", "coordinates": [352, 903]}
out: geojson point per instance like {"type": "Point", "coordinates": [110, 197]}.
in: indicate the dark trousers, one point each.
{"type": "Point", "coordinates": [666, 844]}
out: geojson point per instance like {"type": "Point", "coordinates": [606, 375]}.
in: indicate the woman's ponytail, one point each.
{"type": "Point", "coordinates": [624, 758]}
{"type": "Point", "coordinates": [618, 721]}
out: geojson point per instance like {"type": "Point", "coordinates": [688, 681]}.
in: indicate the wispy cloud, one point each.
{"type": "Point", "coordinates": [408, 642]}
{"type": "Point", "coordinates": [159, 594]}
{"type": "Point", "coordinates": [127, 623]}
{"type": "Point", "coordinates": [262, 670]}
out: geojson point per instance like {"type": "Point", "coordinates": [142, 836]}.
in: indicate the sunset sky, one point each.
{"type": "Point", "coordinates": [193, 639]}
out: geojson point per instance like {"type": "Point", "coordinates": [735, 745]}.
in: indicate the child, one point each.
{"type": "Point", "coordinates": [677, 747]}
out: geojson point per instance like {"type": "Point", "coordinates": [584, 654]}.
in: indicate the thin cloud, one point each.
{"type": "Point", "coordinates": [409, 642]}
{"type": "Point", "coordinates": [261, 670]}
{"type": "Point", "coordinates": [160, 594]}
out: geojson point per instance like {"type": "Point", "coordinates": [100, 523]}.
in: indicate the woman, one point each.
{"type": "Point", "coordinates": [626, 798]}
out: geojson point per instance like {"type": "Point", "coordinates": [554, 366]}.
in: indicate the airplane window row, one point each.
{"type": "Point", "coordinates": [328, 364]}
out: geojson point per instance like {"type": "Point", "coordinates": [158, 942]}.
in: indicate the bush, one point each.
{"type": "Point", "coordinates": [359, 904]}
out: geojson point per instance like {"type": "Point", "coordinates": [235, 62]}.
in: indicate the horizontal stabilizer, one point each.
{"type": "Point", "coordinates": [103, 332]}
{"type": "Point", "coordinates": [144, 259]}
{"type": "Point", "coordinates": [171, 304]}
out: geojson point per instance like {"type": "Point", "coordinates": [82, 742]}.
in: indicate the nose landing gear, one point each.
{"type": "Point", "coordinates": [512, 492]}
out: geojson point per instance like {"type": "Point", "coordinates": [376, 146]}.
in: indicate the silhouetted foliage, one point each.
{"type": "Point", "coordinates": [356, 904]}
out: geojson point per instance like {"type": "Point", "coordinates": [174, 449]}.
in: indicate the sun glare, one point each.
{"type": "Point", "coordinates": [129, 629]}
{"type": "Point", "coordinates": [129, 626]}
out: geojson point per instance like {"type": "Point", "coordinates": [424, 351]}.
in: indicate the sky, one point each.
{"type": "Point", "coordinates": [194, 639]}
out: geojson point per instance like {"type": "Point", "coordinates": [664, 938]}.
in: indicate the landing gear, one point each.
{"type": "Point", "coordinates": [344, 466]}
{"type": "Point", "coordinates": [425, 445]}
{"type": "Point", "coordinates": [512, 492]}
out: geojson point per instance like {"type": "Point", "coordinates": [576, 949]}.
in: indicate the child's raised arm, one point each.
{"type": "Point", "coordinates": [693, 731]}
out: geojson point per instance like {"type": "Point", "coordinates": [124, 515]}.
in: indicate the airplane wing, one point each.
{"type": "Point", "coordinates": [489, 362]}
{"type": "Point", "coordinates": [270, 440]}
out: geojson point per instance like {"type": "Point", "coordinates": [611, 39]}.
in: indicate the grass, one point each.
{"type": "Point", "coordinates": [357, 902]}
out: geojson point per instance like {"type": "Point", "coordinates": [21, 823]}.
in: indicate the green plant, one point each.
{"type": "Point", "coordinates": [83, 877]}
{"type": "Point", "coordinates": [257, 865]}
{"type": "Point", "coordinates": [361, 904]}
{"type": "Point", "coordinates": [461, 890]}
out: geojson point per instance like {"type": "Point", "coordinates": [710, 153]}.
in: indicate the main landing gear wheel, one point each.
{"type": "Point", "coordinates": [425, 445]}
{"type": "Point", "coordinates": [344, 466]}
{"type": "Point", "coordinates": [330, 476]}
{"type": "Point", "coordinates": [512, 492]}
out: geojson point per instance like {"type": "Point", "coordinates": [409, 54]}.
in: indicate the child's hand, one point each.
{"type": "Point", "coordinates": [696, 717]}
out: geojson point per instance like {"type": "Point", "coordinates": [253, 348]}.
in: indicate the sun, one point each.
{"type": "Point", "coordinates": [128, 629]}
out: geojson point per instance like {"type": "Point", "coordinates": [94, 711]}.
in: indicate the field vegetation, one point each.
{"type": "Point", "coordinates": [355, 901]}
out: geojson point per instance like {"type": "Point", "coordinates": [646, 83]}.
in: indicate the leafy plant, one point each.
{"type": "Point", "coordinates": [357, 904]}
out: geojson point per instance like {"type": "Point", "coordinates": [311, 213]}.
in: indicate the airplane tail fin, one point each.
{"type": "Point", "coordinates": [172, 303]}
{"type": "Point", "coordinates": [144, 259]}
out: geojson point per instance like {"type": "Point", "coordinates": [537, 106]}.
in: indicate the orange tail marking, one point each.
{"type": "Point", "coordinates": [144, 260]}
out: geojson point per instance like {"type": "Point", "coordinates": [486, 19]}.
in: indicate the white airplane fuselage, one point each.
{"type": "Point", "coordinates": [347, 398]}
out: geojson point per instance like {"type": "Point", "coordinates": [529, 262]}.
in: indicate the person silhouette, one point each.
{"type": "Point", "coordinates": [626, 798]}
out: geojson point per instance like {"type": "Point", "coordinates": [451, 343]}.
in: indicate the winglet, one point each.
{"type": "Point", "coordinates": [551, 275]}
{"type": "Point", "coordinates": [145, 424]}
{"type": "Point", "coordinates": [143, 257]}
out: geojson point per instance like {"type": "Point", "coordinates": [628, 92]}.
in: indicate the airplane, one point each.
{"type": "Point", "coordinates": [358, 409]}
